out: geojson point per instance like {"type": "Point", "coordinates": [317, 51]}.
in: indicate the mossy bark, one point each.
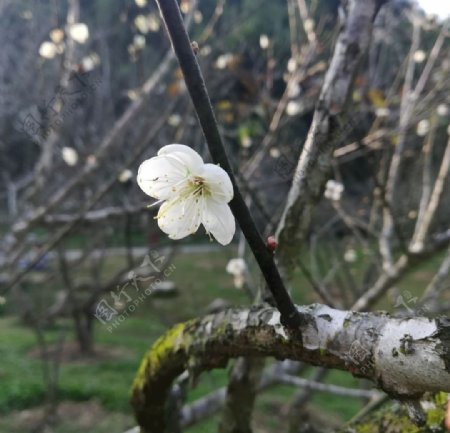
{"type": "Point", "coordinates": [420, 364]}
{"type": "Point", "coordinates": [393, 418]}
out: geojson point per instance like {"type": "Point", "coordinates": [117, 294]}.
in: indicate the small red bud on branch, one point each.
{"type": "Point", "coordinates": [272, 243]}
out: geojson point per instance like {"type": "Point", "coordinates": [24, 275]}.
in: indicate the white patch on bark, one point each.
{"type": "Point", "coordinates": [208, 328]}
{"type": "Point", "coordinates": [407, 357]}
{"type": "Point", "coordinates": [241, 322]}
{"type": "Point", "coordinates": [329, 323]}
{"type": "Point", "coordinates": [276, 324]}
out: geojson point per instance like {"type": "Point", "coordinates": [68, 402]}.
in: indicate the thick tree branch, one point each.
{"type": "Point", "coordinates": [404, 357]}
{"type": "Point", "coordinates": [324, 136]}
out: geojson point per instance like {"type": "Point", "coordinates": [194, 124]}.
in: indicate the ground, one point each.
{"type": "Point", "coordinates": [94, 392]}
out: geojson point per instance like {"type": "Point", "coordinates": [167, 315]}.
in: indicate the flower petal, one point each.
{"type": "Point", "coordinates": [218, 220]}
{"type": "Point", "coordinates": [161, 177]}
{"type": "Point", "coordinates": [184, 155]}
{"type": "Point", "coordinates": [180, 217]}
{"type": "Point", "coordinates": [218, 183]}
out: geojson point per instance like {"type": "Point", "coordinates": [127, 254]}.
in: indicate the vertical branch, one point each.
{"type": "Point", "coordinates": [45, 161]}
{"type": "Point", "coordinates": [296, 414]}
{"type": "Point", "coordinates": [308, 25]}
{"type": "Point", "coordinates": [424, 226]}
{"type": "Point", "coordinates": [438, 283]}
{"type": "Point", "coordinates": [427, 178]}
{"type": "Point", "coordinates": [202, 104]}
{"type": "Point", "coordinates": [406, 110]}
{"type": "Point", "coordinates": [241, 394]}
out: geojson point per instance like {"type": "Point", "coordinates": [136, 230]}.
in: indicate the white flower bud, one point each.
{"type": "Point", "coordinates": [48, 50]}
{"type": "Point", "coordinates": [333, 190]}
{"type": "Point", "coordinates": [423, 128]}
{"type": "Point", "coordinates": [419, 56]}
{"type": "Point", "coordinates": [69, 156]}
{"type": "Point", "coordinates": [264, 42]}
{"type": "Point", "coordinates": [79, 32]}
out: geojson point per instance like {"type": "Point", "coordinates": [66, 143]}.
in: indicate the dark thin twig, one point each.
{"type": "Point", "coordinates": [202, 104]}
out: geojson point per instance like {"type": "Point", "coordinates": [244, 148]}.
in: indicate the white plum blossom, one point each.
{"type": "Point", "coordinates": [274, 152]}
{"type": "Point", "coordinates": [91, 160]}
{"type": "Point", "coordinates": [292, 65]}
{"type": "Point", "coordinates": [423, 127]}
{"type": "Point", "coordinates": [416, 247]}
{"type": "Point", "coordinates": [57, 35]}
{"type": "Point", "coordinates": [382, 112]}
{"type": "Point", "coordinates": [192, 193]}
{"type": "Point", "coordinates": [48, 50]}
{"type": "Point", "coordinates": [442, 110]}
{"type": "Point", "coordinates": [79, 32]}
{"type": "Point", "coordinates": [139, 42]}
{"type": "Point", "coordinates": [89, 63]}
{"type": "Point", "coordinates": [141, 24]}
{"type": "Point", "coordinates": [309, 25]}
{"type": "Point", "coordinates": [333, 190]}
{"type": "Point", "coordinates": [206, 50]}
{"type": "Point", "coordinates": [125, 176]}
{"type": "Point", "coordinates": [294, 90]}
{"type": "Point", "coordinates": [174, 120]}
{"type": "Point", "coordinates": [154, 23]}
{"type": "Point", "coordinates": [264, 42]}
{"type": "Point", "coordinates": [198, 17]}
{"type": "Point", "coordinates": [238, 268]}
{"type": "Point", "coordinates": [419, 56]}
{"type": "Point", "coordinates": [246, 141]}
{"type": "Point", "coordinates": [69, 156]}
{"type": "Point", "coordinates": [293, 108]}
{"type": "Point", "coordinates": [223, 61]}
{"type": "Point", "coordinates": [350, 256]}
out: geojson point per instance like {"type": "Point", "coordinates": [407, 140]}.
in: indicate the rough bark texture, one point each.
{"type": "Point", "coordinates": [405, 357]}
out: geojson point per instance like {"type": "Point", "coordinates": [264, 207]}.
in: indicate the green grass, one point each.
{"type": "Point", "coordinates": [201, 278]}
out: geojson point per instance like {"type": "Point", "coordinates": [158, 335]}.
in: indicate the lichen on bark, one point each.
{"type": "Point", "coordinates": [393, 418]}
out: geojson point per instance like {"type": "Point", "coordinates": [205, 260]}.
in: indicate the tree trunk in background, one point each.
{"type": "Point", "coordinates": [84, 331]}
{"type": "Point", "coordinates": [241, 393]}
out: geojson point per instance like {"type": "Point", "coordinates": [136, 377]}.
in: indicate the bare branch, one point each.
{"type": "Point", "coordinates": [95, 216]}
{"type": "Point", "coordinates": [423, 226]}
{"type": "Point", "coordinates": [312, 385]}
